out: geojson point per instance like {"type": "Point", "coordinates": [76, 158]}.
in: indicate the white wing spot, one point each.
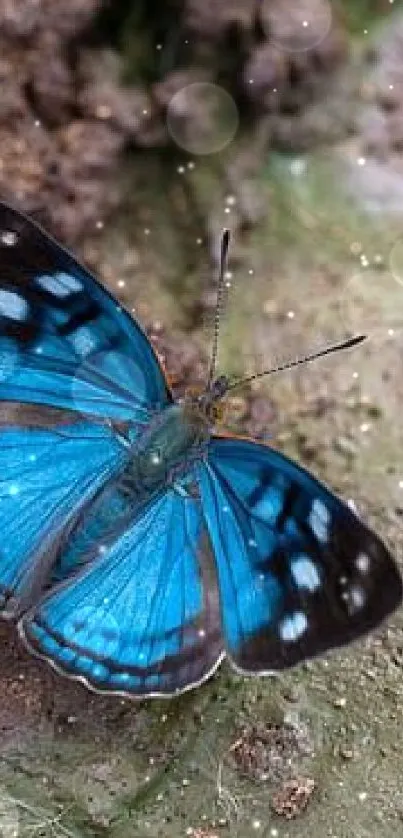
{"type": "Point", "coordinates": [293, 626]}
{"type": "Point", "coordinates": [13, 490]}
{"type": "Point", "coordinates": [319, 520]}
{"type": "Point", "coordinates": [69, 281]}
{"type": "Point", "coordinates": [9, 238]}
{"type": "Point", "coordinates": [305, 573]}
{"type": "Point", "coordinates": [13, 305]}
{"type": "Point", "coordinates": [356, 598]}
{"type": "Point", "coordinates": [362, 563]}
{"type": "Point", "coordinates": [83, 341]}
{"type": "Point", "coordinates": [59, 284]}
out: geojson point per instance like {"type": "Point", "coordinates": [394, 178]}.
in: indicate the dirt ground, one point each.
{"type": "Point", "coordinates": [322, 743]}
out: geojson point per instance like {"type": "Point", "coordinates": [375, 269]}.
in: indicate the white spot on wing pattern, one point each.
{"type": "Point", "coordinates": [356, 598]}
{"type": "Point", "coordinates": [59, 284]}
{"type": "Point", "coordinates": [305, 573]}
{"type": "Point", "coordinates": [83, 341]}
{"type": "Point", "coordinates": [8, 237]}
{"type": "Point", "coordinates": [362, 563]}
{"type": "Point", "coordinates": [13, 305]}
{"type": "Point", "coordinates": [293, 626]}
{"type": "Point", "coordinates": [319, 520]}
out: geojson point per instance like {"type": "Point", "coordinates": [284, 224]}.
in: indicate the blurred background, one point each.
{"type": "Point", "coordinates": [134, 132]}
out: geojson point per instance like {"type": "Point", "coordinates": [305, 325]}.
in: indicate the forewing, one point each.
{"type": "Point", "coordinates": [51, 464]}
{"type": "Point", "coordinates": [298, 572]}
{"type": "Point", "coordinates": [142, 617]}
{"type": "Point", "coordinates": [64, 340]}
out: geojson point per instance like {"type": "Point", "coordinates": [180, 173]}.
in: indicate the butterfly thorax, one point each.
{"type": "Point", "coordinates": [171, 441]}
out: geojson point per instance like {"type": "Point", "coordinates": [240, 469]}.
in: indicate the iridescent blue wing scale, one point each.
{"type": "Point", "coordinates": [142, 618]}
{"type": "Point", "coordinates": [64, 340]}
{"type": "Point", "coordinates": [77, 377]}
{"type": "Point", "coordinates": [52, 463]}
{"type": "Point", "coordinates": [298, 572]}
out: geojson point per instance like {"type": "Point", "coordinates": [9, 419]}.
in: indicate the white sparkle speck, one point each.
{"type": "Point", "coordinates": [9, 238]}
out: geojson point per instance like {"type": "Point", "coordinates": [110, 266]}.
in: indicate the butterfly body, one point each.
{"type": "Point", "coordinates": [139, 547]}
{"type": "Point", "coordinates": [173, 440]}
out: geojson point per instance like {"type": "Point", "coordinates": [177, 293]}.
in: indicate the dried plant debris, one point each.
{"type": "Point", "coordinates": [293, 797]}
{"type": "Point", "coordinates": [271, 752]}
{"type": "Point", "coordinates": [66, 116]}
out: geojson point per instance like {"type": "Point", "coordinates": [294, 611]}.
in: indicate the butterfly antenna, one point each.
{"type": "Point", "coordinates": [219, 304]}
{"type": "Point", "coordinates": [328, 350]}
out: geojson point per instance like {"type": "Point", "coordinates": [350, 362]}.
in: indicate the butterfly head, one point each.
{"type": "Point", "coordinates": [206, 405]}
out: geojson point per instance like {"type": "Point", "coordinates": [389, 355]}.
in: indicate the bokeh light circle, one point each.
{"type": "Point", "coordinates": [296, 25]}
{"type": "Point", "coordinates": [202, 118]}
{"type": "Point", "coordinates": [9, 818]}
{"type": "Point", "coordinates": [110, 364]}
{"type": "Point", "coordinates": [396, 261]}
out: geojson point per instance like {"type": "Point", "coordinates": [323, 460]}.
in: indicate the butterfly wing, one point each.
{"type": "Point", "coordinates": [298, 572]}
{"type": "Point", "coordinates": [64, 340]}
{"type": "Point", "coordinates": [142, 618]}
{"type": "Point", "coordinates": [51, 464]}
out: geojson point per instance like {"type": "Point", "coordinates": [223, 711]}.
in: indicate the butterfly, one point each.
{"type": "Point", "coordinates": [139, 547]}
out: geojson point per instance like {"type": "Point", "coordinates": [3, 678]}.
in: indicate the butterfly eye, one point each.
{"type": "Point", "coordinates": [217, 413]}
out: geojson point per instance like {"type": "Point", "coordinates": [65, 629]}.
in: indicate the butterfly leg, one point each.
{"type": "Point", "coordinates": [191, 490]}
{"type": "Point", "coordinates": [181, 481]}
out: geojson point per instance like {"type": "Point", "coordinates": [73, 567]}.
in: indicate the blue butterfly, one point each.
{"type": "Point", "coordinates": [138, 548]}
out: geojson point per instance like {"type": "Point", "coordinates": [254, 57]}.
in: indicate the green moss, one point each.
{"type": "Point", "coordinates": [362, 14]}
